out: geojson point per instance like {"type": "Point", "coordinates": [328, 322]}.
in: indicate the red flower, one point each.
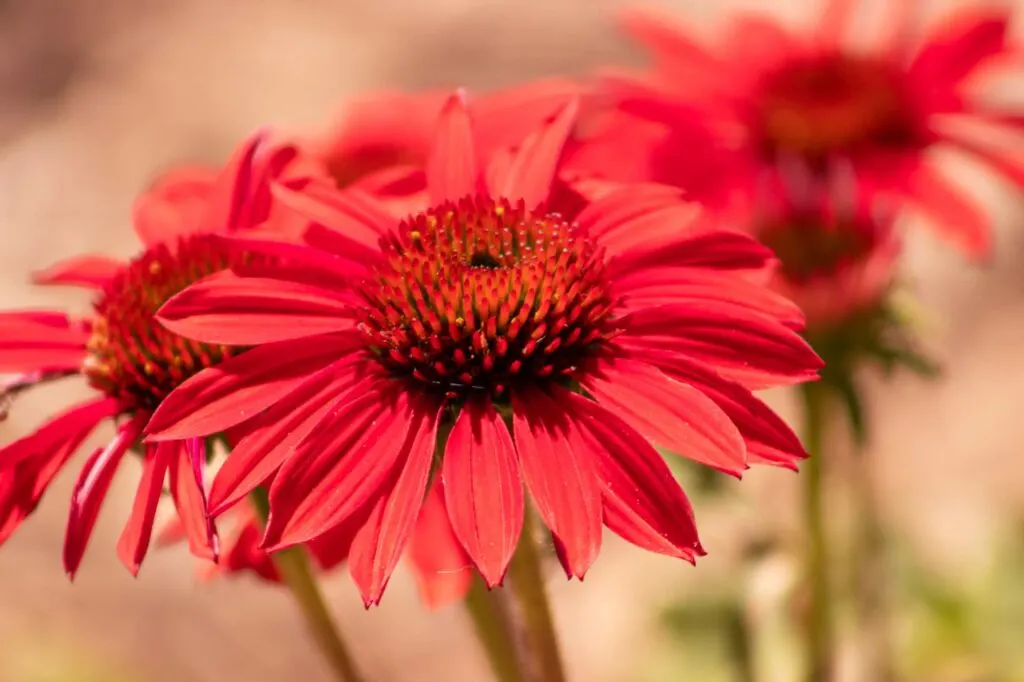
{"type": "Point", "coordinates": [721, 122]}
{"type": "Point", "coordinates": [489, 343]}
{"type": "Point", "coordinates": [442, 570]}
{"type": "Point", "coordinates": [131, 362]}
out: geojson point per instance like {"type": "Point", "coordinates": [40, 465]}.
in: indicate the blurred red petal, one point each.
{"type": "Point", "coordinates": [93, 272]}
{"type": "Point", "coordinates": [452, 168]}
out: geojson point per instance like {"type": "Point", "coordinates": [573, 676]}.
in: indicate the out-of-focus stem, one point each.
{"type": "Point", "coordinates": [819, 625]}
{"type": "Point", "coordinates": [495, 631]}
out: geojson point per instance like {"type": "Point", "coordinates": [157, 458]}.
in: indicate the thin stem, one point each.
{"type": "Point", "coordinates": [296, 572]}
{"type": "Point", "coordinates": [527, 583]}
{"type": "Point", "coordinates": [494, 630]}
{"type": "Point", "coordinates": [819, 624]}
{"type": "Point", "coordinates": [870, 575]}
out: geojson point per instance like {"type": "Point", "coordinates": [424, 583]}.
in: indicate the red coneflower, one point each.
{"type": "Point", "coordinates": [131, 362]}
{"type": "Point", "coordinates": [441, 567]}
{"type": "Point", "coordinates": [498, 344]}
{"type": "Point", "coordinates": [720, 122]}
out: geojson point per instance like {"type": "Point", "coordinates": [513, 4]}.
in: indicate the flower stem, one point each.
{"type": "Point", "coordinates": [494, 630]}
{"type": "Point", "coordinates": [819, 624]}
{"type": "Point", "coordinates": [527, 583]}
{"type": "Point", "coordinates": [297, 574]}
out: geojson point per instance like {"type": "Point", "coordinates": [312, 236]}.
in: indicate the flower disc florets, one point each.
{"type": "Point", "coordinates": [826, 105]}
{"type": "Point", "coordinates": [486, 296]}
{"type": "Point", "coordinates": [131, 356]}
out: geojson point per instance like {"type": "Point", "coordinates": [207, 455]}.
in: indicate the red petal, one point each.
{"type": "Point", "coordinates": [312, 265]}
{"type": "Point", "coordinates": [963, 44]}
{"type": "Point", "coordinates": [379, 544]}
{"type": "Point", "coordinates": [768, 438]}
{"type": "Point", "coordinates": [356, 220]}
{"type": "Point", "coordinates": [443, 571]}
{"type": "Point", "coordinates": [531, 172]}
{"type": "Point", "coordinates": [452, 171]}
{"type": "Point", "coordinates": [745, 348]}
{"type": "Point", "coordinates": [189, 493]}
{"type": "Point", "coordinates": [174, 206]}
{"type": "Point", "coordinates": [243, 386]}
{"type": "Point", "coordinates": [90, 490]}
{"type": "Point", "coordinates": [687, 286]}
{"type": "Point", "coordinates": [340, 466]}
{"type": "Point", "coordinates": [271, 436]}
{"type": "Point", "coordinates": [559, 472]}
{"type": "Point", "coordinates": [505, 118]}
{"type": "Point", "coordinates": [674, 52]}
{"type": "Point", "coordinates": [35, 340]}
{"type": "Point", "coordinates": [642, 500]}
{"type": "Point", "coordinates": [671, 415]}
{"type": "Point", "coordinates": [93, 272]}
{"type": "Point", "coordinates": [954, 215]}
{"type": "Point", "coordinates": [134, 541]}
{"type": "Point", "coordinates": [64, 432]}
{"type": "Point", "coordinates": [706, 250]}
{"type": "Point", "coordinates": [482, 488]}
{"type": "Point", "coordinates": [227, 309]}
{"type": "Point", "coordinates": [835, 19]}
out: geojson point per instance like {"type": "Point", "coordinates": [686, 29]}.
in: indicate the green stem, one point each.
{"type": "Point", "coordinates": [297, 573]}
{"type": "Point", "coordinates": [527, 583]}
{"type": "Point", "coordinates": [819, 624]}
{"type": "Point", "coordinates": [491, 620]}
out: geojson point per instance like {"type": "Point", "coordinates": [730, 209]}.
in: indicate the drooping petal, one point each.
{"type": "Point", "coordinates": [90, 490]}
{"type": "Point", "coordinates": [483, 489]}
{"type": "Point", "coordinates": [670, 414]}
{"type": "Point", "coordinates": [745, 348]}
{"type": "Point", "coordinates": [956, 216]}
{"type": "Point", "coordinates": [93, 272]}
{"type": "Point", "coordinates": [559, 473]}
{"type": "Point", "coordinates": [452, 167]}
{"type": "Point", "coordinates": [32, 340]}
{"type": "Point", "coordinates": [134, 541]}
{"type": "Point", "coordinates": [243, 386]}
{"type": "Point", "coordinates": [341, 466]}
{"type": "Point", "coordinates": [642, 500]}
{"type": "Point", "coordinates": [442, 570]}
{"type": "Point", "coordinates": [768, 438]}
{"type": "Point", "coordinates": [379, 544]}
{"type": "Point", "coordinates": [531, 171]}
{"type": "Point", "coordinates": [241, 311]}
{"type": "Point", "coordinates": [64, 432]}
{"type": "Point", "coordinates": [189, 492]}
{"type": "Point", "coordinates": [272, 435]}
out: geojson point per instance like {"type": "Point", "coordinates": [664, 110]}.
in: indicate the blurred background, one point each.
{"type": "Point", "coordinates": [99, 96]}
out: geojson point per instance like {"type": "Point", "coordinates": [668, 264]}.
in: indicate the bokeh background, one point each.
{"type": "Point", "coordinates": [96, 97]}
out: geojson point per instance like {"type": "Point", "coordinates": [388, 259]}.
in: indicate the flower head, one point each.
{"type": "Point", "coordinates": [131, 362]}
{"type": "Point", "coordinates": [489, 343]}
{"type": "Point", "coordinates": [722, 121]}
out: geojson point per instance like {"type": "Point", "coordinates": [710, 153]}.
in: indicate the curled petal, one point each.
{"type": "Point", "coordinates": [189, 492]}
{"type": "Point", "coordinates": [134, 541]}
{"type": "Point", "coordinates": [91, 489]}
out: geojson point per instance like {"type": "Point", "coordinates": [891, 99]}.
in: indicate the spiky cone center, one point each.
{"type": "Point", "coordinates": [132, 357]}
{"type": "Point", "coordinates": [488, 297]}
{"type": "Point", "coordinates": [812, 247]}
{"type": "Point", "coordinates": [834, 104]}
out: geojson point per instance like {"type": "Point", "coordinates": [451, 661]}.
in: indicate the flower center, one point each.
{"type": "Point", "coordinates": [486, 296]}
{"type": "Point", "coordinates": [131, 356]}
{"type": "Point", "coordinates": [812, 246]}
{"type": "Point", "coordinates": [834, 104]}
